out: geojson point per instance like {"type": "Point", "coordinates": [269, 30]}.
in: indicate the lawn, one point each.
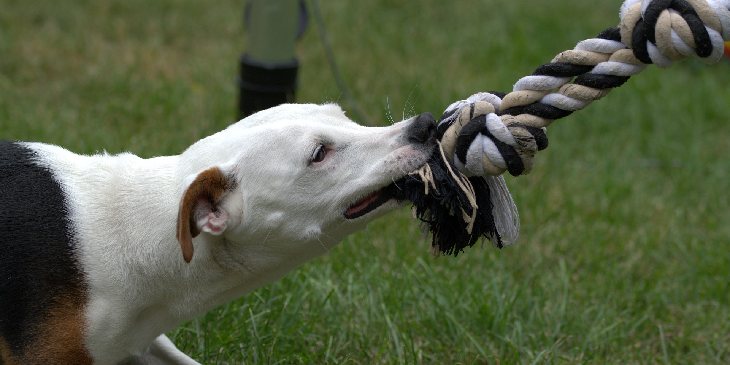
{"type": "Point", "coordinates": [624, 255]}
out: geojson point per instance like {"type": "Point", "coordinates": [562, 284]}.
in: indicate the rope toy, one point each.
{"type": "Point", "coordinates": [487, 134]}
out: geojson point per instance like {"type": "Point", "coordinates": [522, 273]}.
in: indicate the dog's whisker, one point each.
{"type": "Point", "coordinates": [388, 114]}
{"type": "Point", "coordinates": [409, 106]}
{"type": "Point", "coordinates": [326, 249]}
{"type": "Point", "coordinates": [266, 238]}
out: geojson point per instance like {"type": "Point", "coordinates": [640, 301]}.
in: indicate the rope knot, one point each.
{"type": "Point", "coordinates": [480, 142]}
{"type": "Point", "coordinates": [664, 31]}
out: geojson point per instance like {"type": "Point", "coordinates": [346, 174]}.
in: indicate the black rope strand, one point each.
{"type": "Point", "coordinates": [440, 210]}
{"type": "Point", "coordinates": [688, 13]}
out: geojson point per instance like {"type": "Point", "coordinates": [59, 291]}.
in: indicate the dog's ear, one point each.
{"type": "Point", "coordinates": [199, 208]}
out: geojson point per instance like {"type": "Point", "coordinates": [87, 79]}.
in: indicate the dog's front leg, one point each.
{"type": "Point", "coordinates": [163, 349]}
{"type": "Point", "coordinates": [161, 352]}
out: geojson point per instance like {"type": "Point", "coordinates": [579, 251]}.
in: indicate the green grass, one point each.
{"type": "Point", "coordinates": [624, 255]}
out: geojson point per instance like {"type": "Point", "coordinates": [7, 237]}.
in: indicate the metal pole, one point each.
{"type": "Point", "coordinates": [269, 66]}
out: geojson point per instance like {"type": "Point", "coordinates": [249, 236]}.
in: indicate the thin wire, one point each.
{"type": "Point", "coordinates": [363, 118]}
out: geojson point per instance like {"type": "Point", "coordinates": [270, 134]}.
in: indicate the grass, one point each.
{"type": "Point", "coordinates": [624, 255]}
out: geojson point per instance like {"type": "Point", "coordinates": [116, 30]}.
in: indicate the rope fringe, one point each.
{"type": "Point", "coordinates": [425, 174]}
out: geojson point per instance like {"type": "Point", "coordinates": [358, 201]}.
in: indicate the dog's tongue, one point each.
{"type": "Point", "coordinates": [359, 208]}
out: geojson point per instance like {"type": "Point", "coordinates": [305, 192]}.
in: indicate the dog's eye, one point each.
{"type": "Point", "coordinates": [319, 153]}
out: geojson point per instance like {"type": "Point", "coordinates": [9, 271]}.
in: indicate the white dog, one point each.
{"type": "Point", "coordinates": [91, 269]}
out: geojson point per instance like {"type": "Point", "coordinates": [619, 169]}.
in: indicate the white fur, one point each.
{"type": "Point", "coordinates": [283, 212]}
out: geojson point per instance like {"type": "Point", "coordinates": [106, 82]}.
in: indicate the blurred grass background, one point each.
{"type": "Point", "coordinates": [624, 255]}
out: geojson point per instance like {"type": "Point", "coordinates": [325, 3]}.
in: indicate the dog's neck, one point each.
{"type": "Point", "coordinates": [145, 195]}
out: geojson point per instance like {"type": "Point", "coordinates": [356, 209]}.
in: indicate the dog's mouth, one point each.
{"type": "Point", "coordinates": [394, 191]}
{"type": "Point", "coordinates": [370, 202]}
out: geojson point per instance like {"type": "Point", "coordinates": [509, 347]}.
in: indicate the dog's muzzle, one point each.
{"type": "Point", "coordinates": [420, 132]}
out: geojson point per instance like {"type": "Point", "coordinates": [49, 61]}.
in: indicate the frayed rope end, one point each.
{"type": "Point", "coordinates": [456, 209]}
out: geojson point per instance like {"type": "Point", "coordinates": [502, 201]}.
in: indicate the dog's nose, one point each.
{"type": "Point", "coordinates": [421, 129]}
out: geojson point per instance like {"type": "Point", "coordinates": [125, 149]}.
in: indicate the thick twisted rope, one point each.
{"type": "Point", "coordinates": [489, 133]}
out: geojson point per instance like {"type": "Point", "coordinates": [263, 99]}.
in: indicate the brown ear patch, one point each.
{"type": "Point", "coordinates": [208, 187]}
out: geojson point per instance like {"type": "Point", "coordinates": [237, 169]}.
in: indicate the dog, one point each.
{"type": "Point", "coordinates": [102, 254]}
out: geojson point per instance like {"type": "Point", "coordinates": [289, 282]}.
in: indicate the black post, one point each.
{"type": "Point", "coordinates": [269, 67]}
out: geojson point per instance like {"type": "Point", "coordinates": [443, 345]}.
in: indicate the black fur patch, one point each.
{"type": "Point", "coordinates": [37, 265]}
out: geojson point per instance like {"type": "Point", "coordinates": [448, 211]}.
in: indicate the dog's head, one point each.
{"type": "Point", "coordinates": [295, 179]}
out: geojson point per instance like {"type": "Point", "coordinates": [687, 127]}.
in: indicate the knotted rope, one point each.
{"type": "Point", "coordinates": [490, 133]}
